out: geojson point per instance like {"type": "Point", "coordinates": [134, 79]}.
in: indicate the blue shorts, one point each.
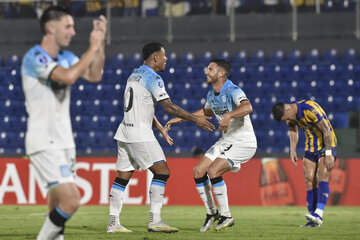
{"type": "Point", "coordinates": [315, 156]}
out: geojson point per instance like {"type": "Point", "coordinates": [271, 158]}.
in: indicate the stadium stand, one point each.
{"type": "Point", "coordinates": [331, 78]}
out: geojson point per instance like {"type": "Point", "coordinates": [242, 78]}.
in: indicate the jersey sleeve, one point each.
{"type": "Point", "coordinates": [157, 89]}
{"type": "Point", "coordinates": [71, 58]}
{"type": "Point", "coordinates": [207, 104]}
{"type": "Point", "coordinates": [238, 95]}
{"type": "Point", "coordinates": [43, 66]}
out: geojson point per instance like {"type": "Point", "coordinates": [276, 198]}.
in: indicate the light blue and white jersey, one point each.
{"type": "Point", "coordinates": [240, 129]}
{"type": "Point", "coordinates": [47, 101]}
{"type": "Point", "coordinates": [143, 89]}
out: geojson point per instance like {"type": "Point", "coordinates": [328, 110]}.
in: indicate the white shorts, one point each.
{"type": "Point", "coordinates": [55, 166]}
{"type": "Point", "coordinates": [138, 155]}
{"type": "Point", "coordinates": [234, 153]}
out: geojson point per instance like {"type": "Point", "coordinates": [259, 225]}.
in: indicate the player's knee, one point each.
{"type": "Point", "coordinates": [212, 172]}
{"type": "Point", "coordinates": [198, 172]}
{"type": "Point", "coordinates": [309, 182]}
{"type": "Point", "coordinates": [71, 201]}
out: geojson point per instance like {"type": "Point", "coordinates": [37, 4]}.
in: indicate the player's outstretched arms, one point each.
{"type": "Point", "coordinates": [207, 113]}
{"type": "Point", "coordinates": [183, 114]}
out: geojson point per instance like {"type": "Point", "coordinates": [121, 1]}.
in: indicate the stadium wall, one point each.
{"type": "Point", "coordinates": [262, 181]}
{"type": "Point", "coordinates": [200, 33]}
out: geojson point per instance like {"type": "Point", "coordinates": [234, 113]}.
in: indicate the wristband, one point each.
{"type": "Point", "coordinates": [328, 153]}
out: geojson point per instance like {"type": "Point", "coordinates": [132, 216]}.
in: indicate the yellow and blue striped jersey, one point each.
{"type": "Point", "coordinates": [309, 114]}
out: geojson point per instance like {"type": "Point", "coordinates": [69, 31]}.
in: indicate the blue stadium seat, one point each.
{"type": "Point", "coordinates": [349, 56]}
{"type": "Point", "coordinates": [294, 57]}
{"type": "Point", "coordinates": [204, 58]}
{"type": "Point", "coordinates": [187, 58]}
{"type": "Point", "coordinates": [14, 92]}
{"type": "Point", "coordinates": [172, 59]}
{"type": "Point", "coordinates": [13, 123]}
{"type": "Point", "coordinates": [313, 56]}
{"type": "Point", "coordinates": [224, 55]}
{"type": "Point", "coordinates": [118, 76]}
{"type": "Point", "coordinates": [200, 7]}
{"type": "Point", "coordinates": [199, 73]}
{"type": "Point", "coordinates": [339, 5]}
{"type": "Point", "coordinates": [116, 61]}
{"type": "Point", "coordinates": [12, 61]}
{"type": "Point", "coordinates": [240, 58]}
{"type": "Point", "coordinates": [331, 56]}
{"type": "Point", "coordinates": [277, 57]}
{"type": "Point", "coordinates": [258, 57]}
{"type": "Point", "coordinates": [13, 76]}
{"type": "Point", "coordinates": [12, 139]}
{"type": "Point", "coordinates": [134, 61]}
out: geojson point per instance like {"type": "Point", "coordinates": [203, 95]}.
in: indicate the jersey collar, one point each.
{"type": "Point", "coordinates": [226, 84]}
{"type": "Point", "coordinates": [300, 113]}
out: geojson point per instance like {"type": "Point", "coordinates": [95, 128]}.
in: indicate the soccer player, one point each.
{"type": "Point", "coordinates": [236, 146]}
{"type": "Point", "coordinates": [48, 71]}
{"type": "Point", "coordinates": [320, 151]}
{"type": "Point", "coordinates": [137, 145]}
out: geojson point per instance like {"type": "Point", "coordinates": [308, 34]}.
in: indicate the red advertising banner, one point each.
{"type": "Point", "coordinates": [267, 181]}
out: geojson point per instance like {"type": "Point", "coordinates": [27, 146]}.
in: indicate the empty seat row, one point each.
{"type": "Point", "coordinates": [119, 60]}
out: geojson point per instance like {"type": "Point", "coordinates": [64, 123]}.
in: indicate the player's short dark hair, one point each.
{"type": "Point", "coordinates": [278, 111]}
{"type": "Point", "coordinates": [52, 13]}
{"type": "Point", "coordinates": [150, 48]}
{"type": "Point", "coordinates": [223, 64]}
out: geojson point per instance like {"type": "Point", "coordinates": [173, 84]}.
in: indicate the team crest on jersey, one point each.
{"type": "Point", "coordinates": [223, 97]}
{"type": "Point", "coordinates": [160, 84]}
{"type": "Point", "coordinates": [43, 59]}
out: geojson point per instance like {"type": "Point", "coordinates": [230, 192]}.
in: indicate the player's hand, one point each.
{"type": "Point", "coordinates": [293, 157]}
{"type": "Point", "coordinates": [224, 123]}
{"type": "Point", "coordinates": [96, 39]}
{"type": "Point", "coordinates": [97, 35]}
{"type": "Point", "coordinates": [173, 121]}
{"type": "Point", "coordinates": [100, 24]}
{"type": "Point", "coordinates": [165, 133]}
{"type": "Point", "coordinates": [329, 163]}
{"type": "Point", "coordinates": [204, 123]}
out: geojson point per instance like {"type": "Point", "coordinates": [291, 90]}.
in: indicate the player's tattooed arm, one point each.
{"type": "Point", "coordinates": [183, 114]}
{"type": "Point", "coordinates": [325, 129]}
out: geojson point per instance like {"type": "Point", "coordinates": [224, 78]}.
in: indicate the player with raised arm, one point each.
{"type": "Point", "coordinates": [137, 145]}
{"type": "Point", "coordinates": [237, 145]}
{"type": "Point", "coordinates": [320, 151]}
{"type": "Point", "coordinates": [47, 72]}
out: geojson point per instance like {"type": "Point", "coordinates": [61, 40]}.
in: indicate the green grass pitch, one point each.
{"type": "Point", "coordinates": [24, 222]}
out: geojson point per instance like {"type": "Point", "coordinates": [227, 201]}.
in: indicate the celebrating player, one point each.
{"type": "Point", "coordinates": [137, 145]}
{"type": "Point", "coordinates": [47, 73]}
{"type": "Point", "coordinates": [236, 146]}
